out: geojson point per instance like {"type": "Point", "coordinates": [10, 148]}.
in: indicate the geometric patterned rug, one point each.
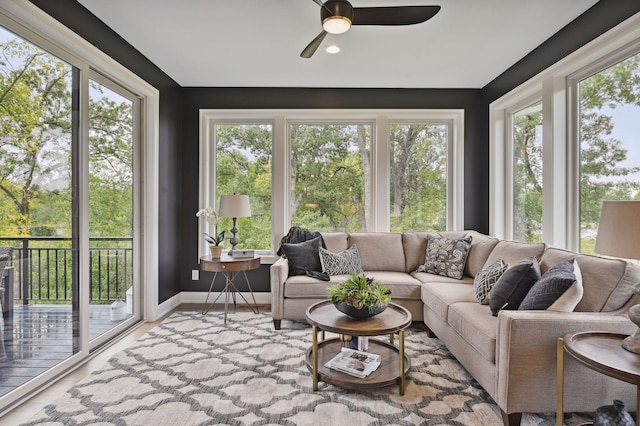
{"type": "Point", "coordinates": [195, 370]}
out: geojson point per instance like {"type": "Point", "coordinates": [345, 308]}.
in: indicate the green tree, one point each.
{"type": "Point", "coordinates": [603, 174]}
{"type": "Point", "coordinates": [35, 121]}
{"type": "Point", "coordinates": [418, 174]}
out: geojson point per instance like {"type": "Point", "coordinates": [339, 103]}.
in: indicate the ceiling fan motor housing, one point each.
{"type": "Point", "coordinates": [337, 8]}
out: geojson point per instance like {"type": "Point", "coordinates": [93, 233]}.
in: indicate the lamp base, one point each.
{"type": "Point", "coordinates": [632, 343]}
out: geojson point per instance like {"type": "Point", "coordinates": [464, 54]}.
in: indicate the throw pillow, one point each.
{"type": "Point", "coordinates": [486, 278]}
{"type": "Point", "coordinates": [555, 282]}
{"type": "Point", "coordinates": [513, 285]}
{"type": "Point", "coordinates": [345, 262]}
{"type": "Point", "coordinates": [446, 256]}
{"type": "Point", "coordinates": [303, 256]}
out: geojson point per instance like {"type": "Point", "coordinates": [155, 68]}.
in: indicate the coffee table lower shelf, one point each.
{"type": "Point", "coordinates": [387, 374]}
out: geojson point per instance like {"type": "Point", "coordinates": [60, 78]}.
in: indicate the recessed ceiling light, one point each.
{"type": "Point", "coordinates": [333, 49]}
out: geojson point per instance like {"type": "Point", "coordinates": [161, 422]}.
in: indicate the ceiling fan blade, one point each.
{"type": "Point", "coordinates": [318, 2]}
{"type": "Point", "coordinates": [313, 46]}
{"type": "Point", "coordinates": [394, 15]}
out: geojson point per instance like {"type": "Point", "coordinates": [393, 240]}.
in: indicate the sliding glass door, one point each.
{"type": "Point", "coordinates": [68, 211]}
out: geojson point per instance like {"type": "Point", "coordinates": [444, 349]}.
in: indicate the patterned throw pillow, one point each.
{"type": "Point", "coordinates": [551, 286]}
{"type": "Point", "coordinates": [486, 278]}
{"type": "Point", "coordinates": [446, 256]}
{"type": "Point", "coordinates": [345, 262]}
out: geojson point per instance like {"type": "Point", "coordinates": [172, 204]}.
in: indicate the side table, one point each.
{"type": "Point", "coordinates": [230, 267]}
{"type": "Point", "coordinates": [601, 352]}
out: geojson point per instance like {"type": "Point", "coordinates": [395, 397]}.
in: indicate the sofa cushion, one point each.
{"type": "Point", "coordinates": [302, 286]}
{"type": "Point", "coordinates": [481, 247]}
{"type": "Point", "coordinates": [446, 256]}
{"type": "Point", "coordinates": [485, 279]}
{"type": "Point", "coordinates": [512, 252]}
{"type": "Point", "coordinates": [345, 262]}
{"type": "Point", "coordinates": [513, 285]}
{"type": "Point", "coordinates": [475, 324]}
{"type": "Point", "coordinates": [335, 241]}
{"type": "Point", "coordinates": [553, 284]}
{"type": "Point", "coordinates": [439, 297]}
{"type": "Point", "coordinates": [607, 282]}
{"type": "Point", "coordinates": [414, 245]}
{"type": "Point", "coordinates": [379, 251]}
{"type": "Point", "coordinates": [303, 256]}
{"type": "Point", "coordinates": [401, 284]}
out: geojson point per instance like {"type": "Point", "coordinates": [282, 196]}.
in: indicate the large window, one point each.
{"type": "Point", "coordinates": [526, 127]}
{"type": "Point", "coordinates": [330, 176]}
{"type": "Point", "coordinates": [554, 161]}
{"type": "Point", "coordinates": [418, 176]}
{"type": "Point", "coordinates": [609, 112]}
{"type": "Point", "coordinates": [243, 166]}
{"type": "Point", "coordinates": [334, 170]}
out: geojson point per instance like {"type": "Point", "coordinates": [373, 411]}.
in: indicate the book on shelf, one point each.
{"type": "Point", "coordinates": [356, 363]}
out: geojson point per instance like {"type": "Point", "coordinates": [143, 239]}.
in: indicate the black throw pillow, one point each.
{"type": "Point", "coordinates": [303, 256]}
{"type": "Point", "coordinates": [513, 285]}
{"type": "Point", "coordinates": [550, 287]}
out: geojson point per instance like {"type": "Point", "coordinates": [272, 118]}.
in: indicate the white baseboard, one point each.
{"type": "Point", "coordinates": [173, 302]}
{"type": "Point", "coordinates": [262, 298]}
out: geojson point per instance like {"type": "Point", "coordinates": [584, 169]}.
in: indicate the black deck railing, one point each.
{"type": "Point", "coordinates": [42, 269]}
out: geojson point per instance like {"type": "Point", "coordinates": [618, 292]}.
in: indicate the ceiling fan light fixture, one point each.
{"type": "Point", "coordinates": [336, 24]}
{"type": "Point", "coordinates": [333, 49]}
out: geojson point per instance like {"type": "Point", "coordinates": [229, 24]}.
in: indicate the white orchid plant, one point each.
{"type": "Point", "coordinates": [210, 215]}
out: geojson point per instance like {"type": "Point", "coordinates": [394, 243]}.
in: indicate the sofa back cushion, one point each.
{"type": "Point", "coordinates": [335, 241]}
{"type": "Point", "coordinates": [512, 252]}
{"type": "Point", "coordinates": [607, 283]}
{"type": "Point", "coordinates": [379, 251]}
{"type": "Point", "coordinates": [481, 247]}
{"type": "Point", "coordinates": [414, 245]}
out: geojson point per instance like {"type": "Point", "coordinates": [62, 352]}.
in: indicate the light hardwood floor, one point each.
{"type": "Point", "coordinates": [24, 412]}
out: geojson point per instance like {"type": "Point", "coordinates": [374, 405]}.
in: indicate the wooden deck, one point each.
{"type": "Point", "coordinates": [41, 338]}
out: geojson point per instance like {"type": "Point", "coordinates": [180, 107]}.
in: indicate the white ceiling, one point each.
{"type": "Point", "coordinates": [257, 43]}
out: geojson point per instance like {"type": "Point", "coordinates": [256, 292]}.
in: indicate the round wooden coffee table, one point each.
{"type": "Point", "coordinates": [323, 316]}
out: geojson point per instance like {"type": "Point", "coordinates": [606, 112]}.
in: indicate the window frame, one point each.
{"type": "Point", "coordinates": [380, 119]}
{"type": "Point", "coordinates": [561, 227]}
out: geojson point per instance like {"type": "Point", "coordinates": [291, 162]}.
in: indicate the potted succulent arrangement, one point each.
{"type": "Point", "coordinates": [217, 238]}
{"type": "Point", "coordinates": [360, 296]}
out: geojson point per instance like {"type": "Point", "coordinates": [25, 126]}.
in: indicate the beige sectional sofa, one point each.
{"type": "Point", "coordinates": [511, 355]}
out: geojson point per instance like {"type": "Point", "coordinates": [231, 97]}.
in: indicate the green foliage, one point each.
{"type": "Point", "coordinates": [604, 171]}
{"type": "Point", "coordinates": [418, 177]}
{"type": "Point", "coordinates": [360, 291]}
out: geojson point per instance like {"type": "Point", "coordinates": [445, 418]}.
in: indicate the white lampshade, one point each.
{"type": "Point", "coordinates": [619, 229]}
{"type": "Point", "coordinates": [234, 206]}
{"type": "Point", "coordinates": [336, 24]}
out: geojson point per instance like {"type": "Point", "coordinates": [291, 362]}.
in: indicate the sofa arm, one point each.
{"type": "Point", "coordinates": [526, 355]}
{"type": "Point", "coordinates": [279, 272]}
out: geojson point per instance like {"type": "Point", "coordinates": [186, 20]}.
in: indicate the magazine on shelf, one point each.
{"type": "Point", "coordinates": [356, 363]}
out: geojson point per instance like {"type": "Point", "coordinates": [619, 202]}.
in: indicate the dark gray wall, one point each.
{"type": "Point", "coordinates": [81, 21]}
{"type": "Point", "coordinates": [179, 142]}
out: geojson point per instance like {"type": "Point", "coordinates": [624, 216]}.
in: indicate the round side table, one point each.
{"type": "Point", "coordinates": [230, 267]}
{"type": "Point", "coordinates": [601, 352]}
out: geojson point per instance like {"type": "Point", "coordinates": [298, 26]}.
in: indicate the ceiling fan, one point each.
{"type": "Point", "coordinates": [337, 16]}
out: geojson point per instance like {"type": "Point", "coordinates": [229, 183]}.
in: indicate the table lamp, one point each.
{"type": "Point", "coordinates": [618, 234]}
{"type": "Point", "coordinates": [234, 206]}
